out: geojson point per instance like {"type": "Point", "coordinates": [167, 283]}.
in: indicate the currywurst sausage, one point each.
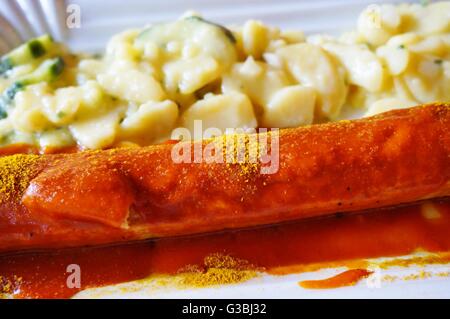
{"type": "Point", "coordinates": [123, 194]}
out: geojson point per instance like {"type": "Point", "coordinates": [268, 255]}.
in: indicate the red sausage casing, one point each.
{"type": "Point", "coordinates": [99, 197]}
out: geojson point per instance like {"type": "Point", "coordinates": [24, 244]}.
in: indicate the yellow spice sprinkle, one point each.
{"type": "Point", "coordinates": [418, 260]}
{"type": "Point", "coordinates": [217, 276]}
{"type": "Point", "coordinates": [242, 150]}
{"type": "Point", "coordinates": [218, 270]}
{"type": "Point", "coordinates": [16, 171]}
{"type": "Point", "coordinates": [420, 275]}
{"type": "Point", "coordinates": [8, 286]}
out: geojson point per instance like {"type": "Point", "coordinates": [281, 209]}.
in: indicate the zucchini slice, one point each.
{"type": "Point", "coordinates": [212, 40]}
{"type": "Point", "coordinates": [26, 53]}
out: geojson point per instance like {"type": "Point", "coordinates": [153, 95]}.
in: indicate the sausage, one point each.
{"type": "Point", "coordinates": [108, 196]}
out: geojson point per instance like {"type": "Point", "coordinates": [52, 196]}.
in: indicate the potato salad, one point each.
{"type": "Point", "coordinates": [152, 80]}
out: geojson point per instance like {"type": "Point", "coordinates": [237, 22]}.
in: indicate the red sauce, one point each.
{"type": "Point", "coordinates": [278, 249]}
{"type": "Point", "coordinates": [23, 148]}
{"type": "Point", "coordinates": [59, 150]}
{"type": "Point", "coordinates": [30, 149]}
{"type": "Point", "coordinates": [18, 149]}
{"type": "Point", "coordinates": [346, 278]}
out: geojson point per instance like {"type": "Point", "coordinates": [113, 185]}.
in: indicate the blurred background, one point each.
{"type": "Point", "coordinates": [100, 19]}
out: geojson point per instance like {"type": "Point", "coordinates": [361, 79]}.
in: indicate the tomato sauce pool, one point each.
{"type": "Point", "coordinates": [278, 249]}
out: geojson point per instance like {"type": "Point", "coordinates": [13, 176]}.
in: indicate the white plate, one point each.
{"type": "Point", "coordinates": [395, 282]}
{"type": "Point", "coordinates": [100, 19]}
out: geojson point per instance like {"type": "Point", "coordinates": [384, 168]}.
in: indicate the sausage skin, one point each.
{"type": "Point", "coordinates": [102, 197]}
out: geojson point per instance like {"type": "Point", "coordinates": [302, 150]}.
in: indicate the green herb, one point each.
{"type": "Point", "coordinates": [438, 61]}
{"type": "Point", "coordinates": [57, 67]}
{"type": "Point", "coordinates": [5, 65]}
{"type": "Point", "coordinates": [7, 97]}
{"type": "Point", "coordinates": [36, 48]}
{"type": "Point", "coordinates": [401, 46]}
{"type": "Point", "coordinates": [3, 107]}
{"type": "Point", "coordinates": [11, 92]}
{"type": "Point", "coordinates": [61, 114]}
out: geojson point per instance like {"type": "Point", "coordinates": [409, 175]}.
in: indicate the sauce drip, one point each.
{"type": "Point", "coordinates": [346, 278]}
{"type": "Point", "coordinates": [277, 249]}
